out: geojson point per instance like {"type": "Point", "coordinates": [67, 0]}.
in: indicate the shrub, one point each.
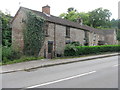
{"type": "Point", "coordinates": [8, 54]}
{"type": "Point", "coordinates": [0, 53]}
{"type": "Point", "coordinates": [70, 50]}
{"type": "Point", "coordinates": [84, 50]}
{"type": "Point", "coordinates": [75, 43]}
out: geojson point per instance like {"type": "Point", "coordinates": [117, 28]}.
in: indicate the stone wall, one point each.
{"type": "Point", "coordinates": [111, 39]}
{"type": "Point", "coordinates": [59, 40]}
{"type": "Point", "coordinates": [77, 35]}
{"type": "Point", "coordinates": [17, 30]}
{"type": "Point", "coordinates": [50, 37]}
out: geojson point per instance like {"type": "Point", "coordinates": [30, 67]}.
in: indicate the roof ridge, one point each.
{"type": "Point", "coordinates": [58, 20]}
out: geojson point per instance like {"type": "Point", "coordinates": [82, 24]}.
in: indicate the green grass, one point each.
{"type": "Point", "coordinates": [22, 59]}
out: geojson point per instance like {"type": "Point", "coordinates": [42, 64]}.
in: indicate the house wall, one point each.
{"type": "Point", "coordinates": [93, 38]}
{"type": "Point", "coordinates": [57, 34]}
{"type": "Point", "coordinates": [50, 37]}
{"type": "Point", "coordinates": [60, 39]}
{"type": "Point", "coordinates": [17, 30]}
{"type": "Point", "coordinates": [111, 39]}
{"type": "Point", "coordinates": [77, 35]}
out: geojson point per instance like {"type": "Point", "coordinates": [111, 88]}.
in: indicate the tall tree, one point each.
{"type": "Point", "coordinates": [85, 17]}
{"type": "Point", "coordinates": [114, 23]}
{"type": "Point", "coordinates": [71, 14]}
{"type": "Point", "coordinates": [100, 18]}
{"type": "Point", "coordinates": [118, 33]}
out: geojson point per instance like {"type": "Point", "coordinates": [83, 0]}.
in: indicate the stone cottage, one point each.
{"type": "Point", "coordinates": [58, 33]}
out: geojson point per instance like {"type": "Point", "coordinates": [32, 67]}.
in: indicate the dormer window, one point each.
{"type": "Point", "coordinates": [67, 32]}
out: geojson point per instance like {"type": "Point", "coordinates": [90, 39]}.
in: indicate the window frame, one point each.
{"type": "Point", "coordinates": [67, 32]}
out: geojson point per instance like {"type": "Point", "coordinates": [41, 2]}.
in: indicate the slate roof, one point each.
{"type": "Point", "coordinates": [104, 32]}
{"type": "Point", "coordinates": [61, 21]}
{"type": "Point", "coordinates": [58, 20]}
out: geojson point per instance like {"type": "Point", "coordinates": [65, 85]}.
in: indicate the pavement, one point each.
{"type": "Point", "coordinates": [97, 73]}
{"type": "Point", "coordinates": [26, 66]}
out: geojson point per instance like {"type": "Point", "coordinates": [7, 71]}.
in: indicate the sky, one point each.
{"type": "Point", "coordinates": [60, 6]}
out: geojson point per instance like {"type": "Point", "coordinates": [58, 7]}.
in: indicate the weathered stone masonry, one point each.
{"type": "Point", "coordinates": [56, 31]}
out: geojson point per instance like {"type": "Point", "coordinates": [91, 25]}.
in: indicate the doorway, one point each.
{"type": "Point", "coordinates": [50, 49]}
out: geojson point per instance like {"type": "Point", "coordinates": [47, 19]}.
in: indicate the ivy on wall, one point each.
{"type": "Point", "coordinates": [33, 34]}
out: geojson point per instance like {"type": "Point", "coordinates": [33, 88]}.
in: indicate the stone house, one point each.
{"type": "Point", "coordinates": [58, 32]}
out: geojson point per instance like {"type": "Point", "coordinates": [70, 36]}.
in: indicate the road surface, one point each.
{"type": "Point", "coordinates": [97, 73]}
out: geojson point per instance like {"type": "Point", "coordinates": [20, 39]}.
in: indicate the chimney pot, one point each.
{"type": "Point", "coordinates": [80, 21]}
{"type": "Point", "coordinates": [46, 9]}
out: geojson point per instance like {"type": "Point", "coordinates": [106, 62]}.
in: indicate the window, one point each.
{"type": "Point", "coordinates": [50, 46]}
{"type": "Point", "coordinates": [67, 32]}
{"type": "Point", "coordinates": [46, 29]}
{"type": "Point", "coordinates": [68, 42]}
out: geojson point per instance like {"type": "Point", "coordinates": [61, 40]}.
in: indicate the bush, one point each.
{"type": "Point", "coordinates": [70, 50]}
{"type": "Point", "coordinates": [8, 54]}
{"type": "Point", "coordinates": [75, 43]}
{"type": "Point", "coordinates": [0, 53]}
{"type": "Point", "coordinates": [84, 50]}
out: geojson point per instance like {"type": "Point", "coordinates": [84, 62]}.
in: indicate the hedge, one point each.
{"type": "Point", "coordinates": [71, 50]}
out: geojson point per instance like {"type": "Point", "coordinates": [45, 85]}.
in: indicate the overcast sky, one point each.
{"type": "Point", "coordinates": [60, 6]}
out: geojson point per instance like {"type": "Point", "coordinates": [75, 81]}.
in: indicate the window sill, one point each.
{"type": "Point", "coordinates": [46, 35]}
{"type": "Point", "coordinates": [67, 36]}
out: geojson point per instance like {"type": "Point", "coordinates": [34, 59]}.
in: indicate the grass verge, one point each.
{"type": "Point", "coordinates": [22, 59]}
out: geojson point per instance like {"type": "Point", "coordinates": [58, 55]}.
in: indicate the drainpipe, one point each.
{"type": "Point", "coordinates": [54, 40]}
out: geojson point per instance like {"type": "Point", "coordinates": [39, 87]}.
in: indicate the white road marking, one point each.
{"type": "Point", "coordinates": [62, 79]}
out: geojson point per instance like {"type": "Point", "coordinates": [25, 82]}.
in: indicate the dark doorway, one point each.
{"type": "Point", "coordinates": [50, 49]}
{"type": "Point", "coordinates": [44, 53]}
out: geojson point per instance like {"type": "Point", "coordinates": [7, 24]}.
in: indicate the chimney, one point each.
{"type": "Point", "coordinates": [80, 21]}
{"type": "Point", "coordinates": [46, 9]}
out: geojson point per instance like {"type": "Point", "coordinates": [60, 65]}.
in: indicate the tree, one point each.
{"type": "Point", "coordinates": [71, 14]}
{"type": "Point", "coordinates": [100, 18]}
{"type": "Point", "coordinates": [85, 17]}
{"type": "Point", "coordinates": [118, 33]}
{"type": "Point", "coordinates": [114, 23]}
{"type": "Point", "coordinates": [6, 31]}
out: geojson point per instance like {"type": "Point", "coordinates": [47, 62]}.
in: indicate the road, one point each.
{"type": "Point", "coordinates": [97, 73]}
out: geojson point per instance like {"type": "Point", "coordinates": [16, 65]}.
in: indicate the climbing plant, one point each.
{"type": "Point", "coordinates": [33, 34]}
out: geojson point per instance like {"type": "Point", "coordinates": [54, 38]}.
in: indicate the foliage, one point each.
{"type": "Point", "coordinates": [114, 23]}
{"type": "Point", "coordinates": [119, 24]}
{"type": "Point", "coordinates": [71, 14]}
{"type": "Point", "coordinates": [70, 50]}
{"type": "Point", "coordinates": [97, 18]}
{"type": "Point", "coordinates": [75, 43]}
{"type": "Point", "coordinates": [100, 17]}
{"type": "Point", "coordinates": [118, 30]}
{"type": "Point", "coordinates": [33, 34]}
{"type": "Point", "coordinates": [0, 53]}
{"type": "Point", "coordinates": [8, 54]}
{"type": "Point", "coordinates": [118, 34]}
{"type": "Point", "coordinates": [22, 59]}
{"type": "Point", "coordinates": [85, 18]}
{"type": "Point", "coordinates": [84, 50]}
{"type": "Point", "coordinates": [6, 30]}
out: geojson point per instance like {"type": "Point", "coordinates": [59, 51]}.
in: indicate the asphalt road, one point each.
{"type": "Point", "coordinates": [98, 73]}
